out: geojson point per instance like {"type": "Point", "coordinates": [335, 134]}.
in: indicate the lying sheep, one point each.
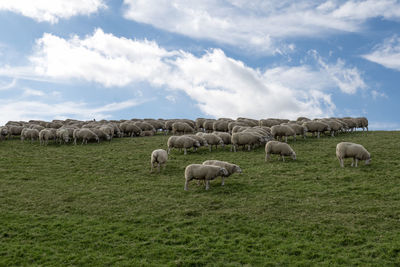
{"type": "Point", "coordinates": [180, 142]}
{"type": "Point", "coordinates": [203, 172]}
{"type": "Point", "coordinates": [32, 134]}
{"type": "Point", "coordinates": [231, 168]}
{"type": "Point", "coordinates": [279, 131]}
{"type": "Point", "coordinates": [243, 139]}
{"type": "Point", "coordinates": [62, 134]}
{"type": "Point", "coordinates": [159, 157]}
{"type": "Point", "coordinates": [352, 150]}
{"type": "Point", "coordinates": [280, 148]}
{"type": "Point", "coordinates": [85, 134]}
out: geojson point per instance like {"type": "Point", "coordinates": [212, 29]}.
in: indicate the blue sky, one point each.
{"type": "Point", "coordinates": [186, 59]}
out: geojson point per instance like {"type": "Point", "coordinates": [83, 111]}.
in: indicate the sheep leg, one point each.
{"type": "Point", "coordinates": [341, 161]}
{"type": "Point", "coordinates": [186, 185]}
{"type": "Point", "coordinates": [209, 147]}
{"type": "Point", "coordinates": [332, 133]}
{"type": "Point", "coordinates": [356, 162]}
{"type": "Point", "coordinates": [266, 157]}
{"type": "Point", "coordinates": [248, 147]}
{"type": "Point", "coordinates": [207, 184]}
{"type": "Point", "coordinates": [285, 138]}
{"type": "Point", "coordinates": [234, 148]}
{"type": "Point", "coordinates": [184, 151]}
{"type": "Point", "coordinates": [158, 167]}
{"type": "Point", "coordinates": [223, 180]}
{"type": "Point", "coordinates": [169, 149]}
{"type": "Point", "coordinates": [74, 141]}
{"type": "Point", "coordinates": [294, 136]}
{"type": "Point", "coordinates": [283, 158]}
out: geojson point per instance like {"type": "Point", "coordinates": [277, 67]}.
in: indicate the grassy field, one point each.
{"type": "Point", "coordinates": [99, 205]}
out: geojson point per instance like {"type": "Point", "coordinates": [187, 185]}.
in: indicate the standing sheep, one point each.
{"type": "Point", "coordinates": [203, 172]}
{"type": "Point", "coordinates": [26, 133]}
{"type": "Point", "coordinates": [85, 134]}
{"type": "Point", "coordinates": [243, 139]}
{"type": "Point", "coordinates": [231, 168]}
{"type": "Point", "coordinates": [212, 139]}
{"type": "Point", "coordinates": [62, 134]}
{"type": "Point", "coordinates": [3, 132]}
{"type": "Point", "coordinates": [183, 141]}
{"type": "Point", "coordinates": [279, 131]}
{"type": "Point", "coordinates": [45, 135]}
{"type": "Point", "coordinates": [159, 157]}
{"type": "Point", "coordinates": [352, 150]}
{"type": "Point", "coordinates": [280, 148]}
{"type": "Point", "coordinates": [316, 127]}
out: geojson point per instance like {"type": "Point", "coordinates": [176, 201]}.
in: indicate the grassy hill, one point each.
{"type": "Point", "coordinates": [99, 205]}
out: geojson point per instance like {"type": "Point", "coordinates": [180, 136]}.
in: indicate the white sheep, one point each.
{"type": "Point", "coordinates": [181, 128]}
{"type": "Point", "coordinates": [45, 135]}
{"type": "Point", "coordinates": [159, 157]}
{"type": "Point", "coordinates": [231, 168]}
{"type": "Point", "coordinates": [62, 134]}
{"type": "Point", "coordinates": [280, 148]}
{"type": "Point", "coordinates": [85, 134]}
{"type": "Point", "coordinates": [279, 131]}
{"type": "Point", "coordinates": [243, 139]}
{"type": "Point", "coordinates": [203, 172]}
{"type": "Point", "coordinates": [212, 139]}
{"type": "Point", "coordinates": [352, 150]}
{"type": "Point", "coordinates": [3, 132]}
{"type": "Point", "coordinates": [180, 142]}
{"type": "Point", "coordinates": [26, 133]}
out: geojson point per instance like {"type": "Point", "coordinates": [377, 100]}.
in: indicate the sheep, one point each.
{"type": "Point", "coordinates": [232, 124]}
{"type": "Point", "coordinates": [85, 134]}
{"type": "Point", "coordinates": [183, 141]}
{"type": "Point", "coordinates": [212, 139]}
{"type": "Point", "coordinates": [316, 126]}
{"type": "Point", "coordinates": [147, 133]}
{"type": "Point", "coordinates": [208, 125]}
{"type": "Point", "coordinates": [45, 135]}
{"type": "Point", "coordinates": [33, 134]}
{"type": "Point", "coordinates": [282, 130]}
{"type": "Point", "coordinates": [221, 126]}
{"type": "Point", "coordinates": [352, 150]}
{"type": "Point", "coordinates": [350, 122]}
{"type": "Point", "coordinates": [3, 132]}
{"type": "Point", "coordinates": [226, 137]}
{"type": "Point", "coordinates": [159, 157]}
{"type": "Point", "coordinates": [280, 148]}
{"type": "Point", "coordinates": [203, 172]}
{"type": "Point", "coordinates": [62, 134]}
{"type": "Point", "coordinates": [181, 128]}
{"type": "Point", "coordinates": [130, 129]}
{"type": "Point", "coordinates": [108, 129]}
{"type": "Point", "coordinates": [199, 124]}
{"type": "Point", "coordinates": [102, 135]}
{"type": "Point", "coordinates": [202, 141]}
{"type": "Point", "coordinates": [243, 139]}
{"type": "Point", "coordinates": [362, 122]}
{"type": "Point", "coordinates": [334, 126]}
{"type": "Point", "coordinates": [144, 126]}
{"type": "Point", "coordinates": [298, 129]}
{"type": "Point", "coordinates": [269, 122]}
{"type": "Point", "coordinates": [14, 130]}
{"type": "Point", "coordinates": [231, 168]}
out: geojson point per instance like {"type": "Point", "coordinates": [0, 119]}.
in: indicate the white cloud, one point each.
{"type": "Point", "coordinates": [17, 110]}
{"type": "Point", "coordinates": [32, 92]}
{"type": "Point", "coordinates": [258, 24]}
{"type": "Point", "coordinates": [7, 86]}
{"type": "Point", "coordinates": [387, 54]}
{"type": "Point", "coordinates": [222, 86]}
{"type": "Point", "coordinates": [375, 94]}
{"type": "Point", "coordinates": [386, 126]}
{"type": "Point", "coordinates": [53, 10]}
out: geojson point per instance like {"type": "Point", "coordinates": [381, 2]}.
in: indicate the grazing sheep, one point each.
{"type": "Point", "coordinates": [183, 141]}
{"type": "Point", "coordinates": [243, 139]}
{"type": "Point", "coordinates": [62, 134]}
{"type": "Point", "coordinates": [362, 122]}
{"type": "Point", "coordinates": [45, 135]}
{"type": "Point", "coordinates": [334, 126]}
{"type": "Point", "coordinates": [3, 132]}
{"type": "Point", "coordinates": [85, 134]}
{"type": "Point", "coordinates": [280, 148]}
{"type": "Point", "coordinates": [14, 130]}
{"type": "Point", "coordinates": [279, 131]}
{"type": "Point", "coordinates": [298, 129]}
{"type": "Point", "coordinates": [181, 128]}
{"type": "Point", "coordinates": [316, 127]}
{"type": "Point", "coordinates": [144, 126]}
{"type": "Point", "coordinates": [350, 122]}
{"type": "Point", "coordinates": [159, 157]}
{"type": "Point", "coordinates": [221, 126]}
{"type": "Point", "coordinates": [130, 129]}
{"type": "Point", "coordinates": [26, 133]}
{"type": "Point", "coordinates": [101, 134]}
{"type": "Point", "coordinates": [208, 125]}
{"type": "Point", "coordinates": [203, 172]}
{"type": "Point", "coordinates": [231, 168]}
{"type": "Point", "coordinates": [226, 137]}
{"type": "Point", "coordinates": [212, 139]}
{"type": "Point", "coordinates": [202, 141]}
{"type": "Point", "coordinates": [352, 150]}
{"type": "Point", "coordinates": [108, 129]}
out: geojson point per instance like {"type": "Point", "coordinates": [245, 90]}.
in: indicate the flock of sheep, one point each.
{"type": "Point", "coordinates": [187, 134]}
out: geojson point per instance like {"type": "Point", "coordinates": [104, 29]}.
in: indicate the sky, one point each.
{"type": "Point", "coordinates": [103, 59]}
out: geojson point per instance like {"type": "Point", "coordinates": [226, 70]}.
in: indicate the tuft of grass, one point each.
{"type": "Point", "coordinates": [99, 205]}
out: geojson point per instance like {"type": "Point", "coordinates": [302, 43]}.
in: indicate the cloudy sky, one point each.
{"type": "Point", "coordinates": [88, 59]}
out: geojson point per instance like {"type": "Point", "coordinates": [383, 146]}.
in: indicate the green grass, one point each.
{"type": "Point", "coordinates": [99, 205]}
